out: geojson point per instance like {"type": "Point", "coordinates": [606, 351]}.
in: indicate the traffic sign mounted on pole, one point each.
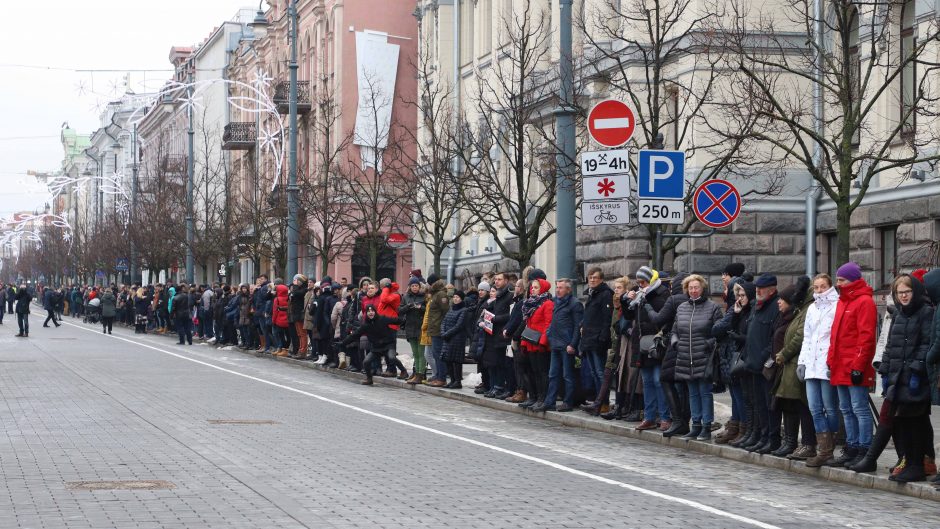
{"type": "Point", "coordinates": [661, 174]}
{"type": "Point", "coordinates": [611, 123]}
{"type": "Point", "coordinates": [660, 211]}
{"type": "Point", "coordinates": [606, 187]}
{"type": "Point", "coordinates": [716, 203]}
{"type": "Point", "coordinates": [605, 213]}
{"type": "Point", "coordinates": [603, 163]}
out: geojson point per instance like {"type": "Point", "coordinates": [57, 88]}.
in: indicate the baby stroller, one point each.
{"type": "Point", "coordinates": [92, 311]}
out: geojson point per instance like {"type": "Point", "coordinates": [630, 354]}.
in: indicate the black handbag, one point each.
{"type": "Point", "coordinates": [652, 346]}
{"type": "Point", "coordinates": [770, 369]}
{"type": "Point", "coordinates": [738, 365]}
{"type": "Point", "coordinates": [531, 335]}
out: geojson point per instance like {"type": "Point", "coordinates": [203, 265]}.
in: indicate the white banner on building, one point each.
{"type": "Point", "coordinates": [376, 71]}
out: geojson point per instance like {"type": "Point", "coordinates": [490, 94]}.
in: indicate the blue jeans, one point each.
{"type": "Point", "coordinates": [595, 361]}
{"type": "Point", "coordinates": [821, 398]}
{"type": "Point", "coordinates": [738, 404]}
{"type": "Point", "coordinates": [853, 403]}
{"type": "Point", "coordinates": [440, 366]}
{"type": "Point", "coordinates": [563, 362]}
{"type": "Point", "coordinates": [701, 401]}
{"type": "Point", "coordinates": [654, 399]}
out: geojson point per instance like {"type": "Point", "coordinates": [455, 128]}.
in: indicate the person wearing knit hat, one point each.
{"type": "Point", "coordinates": [645, 273]}
{"type": "Point", "coordinates": [730, 277]}
{"type": "Point", "coordinates": [850, 271]}
{"type": "Point", "coordinates": [851, 351]}
{"type": "Point", "coordinates": [485, 287]}
{"type": "Point", "coordinates": [414, 281]}
{"type": "Point", "coordinates": [300, 277]}
{"type": "Point", "coordinates": [788, 390]}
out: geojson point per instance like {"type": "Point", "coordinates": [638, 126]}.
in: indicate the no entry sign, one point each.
{"type": "Point", "coordinates": [716, 203]}
{"type": "Point", "coordinates": [611, 123]}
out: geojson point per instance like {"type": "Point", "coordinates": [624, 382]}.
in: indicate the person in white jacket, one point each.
{"type": "Point", "coordinates": [812, 368]}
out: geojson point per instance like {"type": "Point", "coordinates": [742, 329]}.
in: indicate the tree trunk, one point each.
{"type": "Point", "coordinates": [438, 251]}
{"type": "Point", "coordinates": [843, 222]}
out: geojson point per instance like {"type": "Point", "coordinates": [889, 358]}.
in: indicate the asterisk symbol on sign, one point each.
{"type": "Point", "coordinates": [605, 187]}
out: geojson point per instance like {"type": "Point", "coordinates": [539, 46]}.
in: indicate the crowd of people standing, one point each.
{"type": "Point", "coordinates": [798, 362]}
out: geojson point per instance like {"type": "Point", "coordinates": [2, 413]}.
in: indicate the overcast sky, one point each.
{"type": "Point", "coordinates": [41, 46]}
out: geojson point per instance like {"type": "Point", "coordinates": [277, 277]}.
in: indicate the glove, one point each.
{"type": "Point", "coordinates": [801, 373]}
{"type": "Point", "coordinates": [734, 335]}
{"type": "Point", "coordinates": [856, 377]}
{"type": "Point", "coordinates": [914, 384]}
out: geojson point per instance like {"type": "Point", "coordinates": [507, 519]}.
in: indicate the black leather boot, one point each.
{"type": "Point", "coordinates": [791, 430]}
{"type": "Point", "coordinates": [869, 462]}
{"type": "Point", "coordinates": [694, 432]}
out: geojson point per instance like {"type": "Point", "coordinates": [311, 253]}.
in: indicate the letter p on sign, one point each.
{"type": "Point", "coordinates": [661, 174]}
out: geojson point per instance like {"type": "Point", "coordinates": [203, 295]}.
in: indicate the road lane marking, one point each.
{"type": "Point", "coordinates": [481, 444]}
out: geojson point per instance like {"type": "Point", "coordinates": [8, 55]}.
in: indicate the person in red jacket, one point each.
{"type": "Point", "coordinates": [279, 319]}
{"type": "Point", "coordinates": [536, 316]}
{"type": "Point", "coordinates": [851, 350]}
{"type": "Point", "coordinates": [389, 300]}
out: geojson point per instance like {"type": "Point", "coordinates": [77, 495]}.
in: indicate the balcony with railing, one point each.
{"type": "Point", "coordinates": [239, 136]}
{"type": "Point", "coordinates": [282, 97]}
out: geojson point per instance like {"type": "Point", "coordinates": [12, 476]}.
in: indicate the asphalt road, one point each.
{"type": "Point", "coordinates": [238, 441]}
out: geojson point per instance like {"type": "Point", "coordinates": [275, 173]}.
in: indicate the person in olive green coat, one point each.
{"type": "Point", "coordinates": [788, 390]}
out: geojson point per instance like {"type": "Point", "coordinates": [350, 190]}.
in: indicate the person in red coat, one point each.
{"type": "Point", "coordinates": [389, 300]}
{"type": "Point", "coordinates": [537, 316]}
{"type": "Point", "coordinates": [279, 318]}
{"type": "Point", "coordinates": [851, 351]}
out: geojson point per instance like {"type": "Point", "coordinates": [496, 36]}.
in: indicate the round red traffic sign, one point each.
{"type": "Point", "coordinates": [716, 203]}
{"type": "Point", "coordinates": [611, 123]}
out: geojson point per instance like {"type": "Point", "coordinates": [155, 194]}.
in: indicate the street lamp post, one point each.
{"type": "Point", "coordinates": [190, 169]}
{"type": "Point", "coordinates": [292, 233]}
{"type": "Point", "coordinates": [133, 264]}
{"type": "Point", "coordinates": [565, 171]}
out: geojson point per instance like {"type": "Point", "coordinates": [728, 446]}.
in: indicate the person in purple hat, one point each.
{"type": "Point", "coordinates": [851, 351]}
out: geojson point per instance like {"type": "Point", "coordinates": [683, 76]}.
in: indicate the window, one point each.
{"type": "Point", "coordinates": [909, 70]}
{"type": "Point", "coordinates": [486, 27]}
{"type": "Point", "coordinates": [466, 31]}
{"type": "Point", "coordinates": [889, 254]}
{"type": "Point", "coordinates": [504, 22]}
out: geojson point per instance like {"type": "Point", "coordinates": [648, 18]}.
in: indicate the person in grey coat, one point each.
{"type": "Point", "coordinates": [108, 310]}
{"type": "Point", "coordinates": [692, 338]}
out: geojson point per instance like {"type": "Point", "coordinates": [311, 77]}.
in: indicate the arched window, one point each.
{"type": "Point", "coordinates": [908, 69]}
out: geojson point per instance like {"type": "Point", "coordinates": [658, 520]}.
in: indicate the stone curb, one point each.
{"type": "Point", "coordinates": [577, 420]}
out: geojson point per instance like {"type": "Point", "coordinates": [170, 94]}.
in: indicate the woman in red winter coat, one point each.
{"type": "Point", "coordinates": [536, 316]}
{"type": "Point", "coordinates": [851, 351]}
{"type": "Point", "coordinates": [279, 319]}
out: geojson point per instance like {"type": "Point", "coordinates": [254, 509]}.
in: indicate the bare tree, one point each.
{"type": "Point", "coordinates": [323, 196]}
{"type": "Point", "coordinates": [665, 58]}
{"type": "Point", "coordinates": [380, 183]}
{"type": "Point", "coordinates": [505, 143]}
{"type": "Point", "coordinates": [439, 198]}
{"type": "Point", "coordinates": [873, 56]}
{"type": "Point", "coordinates": [158, 225]}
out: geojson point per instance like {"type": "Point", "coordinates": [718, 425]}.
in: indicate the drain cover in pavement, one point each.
{"type": "Point", "coordinates": [150, 484]}
{"type": "Point", "coordinates": [242, 421]}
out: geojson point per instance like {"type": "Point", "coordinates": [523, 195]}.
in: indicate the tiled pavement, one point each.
{"type": "Point", "coordinates": [79, 406]}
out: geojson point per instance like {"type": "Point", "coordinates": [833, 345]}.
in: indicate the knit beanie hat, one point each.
{"type": "Point", "coordinates": [645, 273]}
{"type": "Point", "coordinates": [850, 271]}
{"type": "Point", "coordinates": [461, 294]}
{"type": "Point", "coordinates": [788, 294]}
{"type": "Point", "coordinates": [735, 269]}
{"type": "Point", "coordinates": [537, 273]}
{"type": "Point", "coordinates": [433, 278]}
{"type": "Point", "coordinates": [484, 286]}
{"type": "Point", "coordinates": [300, 277]}
{"type": "Point", "coordinates": [414, 281]}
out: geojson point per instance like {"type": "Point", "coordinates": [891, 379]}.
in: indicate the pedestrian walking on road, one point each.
{"type": "Point", "coordinates": [49, 304]}
{"type": "Point", "coordinates": [181, 315]}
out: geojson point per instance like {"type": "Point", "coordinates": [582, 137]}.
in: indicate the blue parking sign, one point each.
{"type": "Point", "coordinates": [661, 174]}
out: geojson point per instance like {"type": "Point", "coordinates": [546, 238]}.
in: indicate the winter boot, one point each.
{"type": "Point", "coordinates": [694, 432]}
{"type": "Point", "coordinates": [772, 444]}
{"type": "Point", "coordinates": [729, 433]}
{"type": "Point", "coordinates": [823, 450]}
{"type": "Point", "coordinates": [706, 433]}
{"type": "Point", "coordinates": [744, 431]}
{"type": "Point", "coordinates": [616, 413]}
{"type": "Point", "coordinates": [869, 463]}
{"type": "Point", "coordinates": [910, 474]}
{"type": "Point", "coordinates": [847, 454]}
{"type": "Point", "coordinates": [791, 430]}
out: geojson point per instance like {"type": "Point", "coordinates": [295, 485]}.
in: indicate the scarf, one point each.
{"type": "Point", "coordinates": [530, 305]}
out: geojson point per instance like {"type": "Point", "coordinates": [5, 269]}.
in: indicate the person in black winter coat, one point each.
{"type": "Point", "coordinates": [595, 327]}
{"type": "Point", "coordinates": [295, 315]}
{"type": "Point", "coordinates": [321, 318]}
{"type": "Point", "coordinates": [22, 298]}
{"type": "Point", "coordinates": [757, 348]}
{"type": "Point", "coordinates": [494, 347]}
{"type": "Point", "coordinates": [181, 315]}
{"type": "Point", "coordinates": [513, 331]}
{"type": "Point", "coordinates": [906, 409]}
{"type": "Point", "coordinates": [731, 331]}
{"type": "Point", "coordinates": [651, 292]}
{"type": "Point", "coordinates": [381, 335]}
{"type": "Point", "coordinates": [454, 333]}
{"type": "Point", "coordinates": [676, 392]}
{"type": "Point", "coordinates": [49, 304]}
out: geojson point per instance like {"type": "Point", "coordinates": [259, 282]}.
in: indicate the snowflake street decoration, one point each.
{"type": "Point", "coordinates": [261, 80]}
{"type": "Point", "coordinates": [269, 139]}
{"type": "Point", "coordinates": [81, 88]}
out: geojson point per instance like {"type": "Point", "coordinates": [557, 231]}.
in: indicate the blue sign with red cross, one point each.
{"type": "Point", "coordinates": [716, 203]}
